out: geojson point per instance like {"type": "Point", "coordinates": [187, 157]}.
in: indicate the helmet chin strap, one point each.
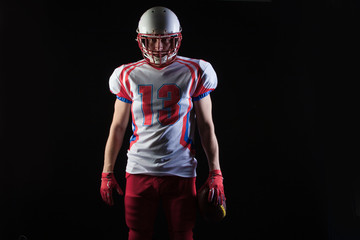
{"type": "Point", "coordinates": [163, 59]}
{"type": "Point", "coordinates": [159, 60]}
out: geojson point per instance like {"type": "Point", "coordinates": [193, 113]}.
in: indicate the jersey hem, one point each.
{"type": "Point", "coordinates": [123, 99]}
{"type": "Point", "coordinates": [127, 173]}
{"type": "Point", "coordinates": [201, 96]}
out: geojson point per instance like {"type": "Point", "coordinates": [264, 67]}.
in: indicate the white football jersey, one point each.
{"type": "Point", "coordinates": [162, 113]}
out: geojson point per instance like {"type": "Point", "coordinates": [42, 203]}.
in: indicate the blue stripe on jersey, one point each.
{"type": "Point", "coordinates": [186, 137]}
{"type": "Point", "coordinates": [201, 96]}
{"type": "Point", "coordinates": [133, 137]}
{"type": "Point", "coordinates": [123, 99]}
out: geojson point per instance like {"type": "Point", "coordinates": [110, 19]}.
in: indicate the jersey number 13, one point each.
{"type": "Point", "coordinates": [169, 94]}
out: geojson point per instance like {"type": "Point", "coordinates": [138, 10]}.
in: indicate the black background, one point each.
{"type": "Point", "coordinates": [281, 112]}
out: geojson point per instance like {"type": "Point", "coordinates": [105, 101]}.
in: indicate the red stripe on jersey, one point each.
{"type": "Point", "coordinates": [131, 67]}
{"type": "Point", "coordinates": [122, 90]}
{"type": "Point", "coordinates": [200, 88]}
{"type": "Point", "coordinates": [123, 94]}
{"type": "Point", "coordinates": [125, 73]}
{"type": "Point", "coordinates": [185, 118]}
{"type": "Point", "coordinates": [128, 73]}
{"type": "Point", "coordinates": [198, 71]}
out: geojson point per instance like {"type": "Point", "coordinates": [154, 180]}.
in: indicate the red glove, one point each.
{"type": "Point", "coordinates": [108, 183]}
{"type": "Point", "coordinates": [215, 184]}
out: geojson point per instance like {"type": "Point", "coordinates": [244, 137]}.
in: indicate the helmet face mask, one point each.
{"type": "Point", "coordinates": [159, 50]}
{"type": "Point", "coordinates": [159, 36]}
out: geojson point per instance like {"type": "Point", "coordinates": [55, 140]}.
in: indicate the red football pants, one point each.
{"type": "Point", "coordinates": [142, 197]}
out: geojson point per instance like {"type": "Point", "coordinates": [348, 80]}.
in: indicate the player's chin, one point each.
{"type": "Point", "coordinates": [159, 55]}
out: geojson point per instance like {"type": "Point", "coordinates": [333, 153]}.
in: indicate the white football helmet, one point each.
{"type": "Point", "coordinates": [159, 36]}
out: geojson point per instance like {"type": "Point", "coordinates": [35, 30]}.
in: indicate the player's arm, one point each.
{"type": "Point", "coordinates": [203, 110]}
{"type": "Point", "coordinates": [116, 134]}
{"type": "Point", "coordinates": [113, 145]}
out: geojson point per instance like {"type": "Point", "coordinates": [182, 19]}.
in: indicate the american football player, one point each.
{"type": "Point", "coordinates": [165, 94]}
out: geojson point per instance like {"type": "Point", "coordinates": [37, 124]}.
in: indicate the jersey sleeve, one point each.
{"type": "Point", "coordinates": [118, 86]}
{"type": "Point", "coordinates": [207, 82]}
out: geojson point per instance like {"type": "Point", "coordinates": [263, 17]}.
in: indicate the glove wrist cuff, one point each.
{"type": "Point", "coordinates": [107, 174]}
{"type": "Point", "coordinates": [215, 173]}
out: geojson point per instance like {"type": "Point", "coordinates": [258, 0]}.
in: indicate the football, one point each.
{"type": "Point", "coordinates": [208, 210]}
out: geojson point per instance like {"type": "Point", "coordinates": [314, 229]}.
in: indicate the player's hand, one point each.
{"type": "Point", "coordinates": [216, 187]}
{"type": "Point", "coordinates": [108, 183]}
